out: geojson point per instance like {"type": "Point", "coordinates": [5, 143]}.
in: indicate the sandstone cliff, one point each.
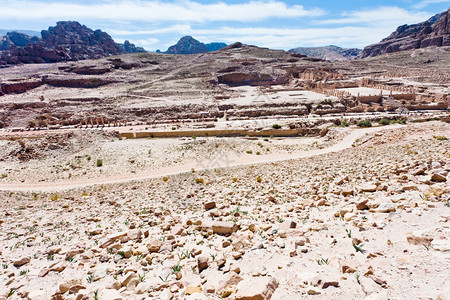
{"type": "Point", "coordinates": [433, 32]}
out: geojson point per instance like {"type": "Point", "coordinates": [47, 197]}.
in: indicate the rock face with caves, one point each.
{"type": "Point", "coordinates": [433, 32]}
{"type": "Point", "coordinates": [67, 41]}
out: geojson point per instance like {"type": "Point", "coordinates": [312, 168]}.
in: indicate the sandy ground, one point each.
{"type": "Point", "coordinates": [366, 217]}
{"type": "Point", "coordinates": [129, 159]}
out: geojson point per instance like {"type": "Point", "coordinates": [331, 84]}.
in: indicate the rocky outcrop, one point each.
{"type": "Point", "coordinates": [433, 32]}
{"type": "Point", "coordinates": [18, 87]}
{"type": "Point", "coordinates": [332, 53]}
{"type": "Point", "coordinates": [215, 46]}
{"type": "Point", "coordinates": [189, 45]}
{"type": "Point", "coordinates": [67, 41]}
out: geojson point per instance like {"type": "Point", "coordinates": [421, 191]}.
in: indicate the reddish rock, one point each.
{"type": "Point", "coordinates": [224, 228]}
{"type": "Point", "coordinates": [21, 262]}
{"type": "Point", "coordinates": [433, 32]}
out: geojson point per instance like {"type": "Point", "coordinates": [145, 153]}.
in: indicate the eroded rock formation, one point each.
{"type": "Point", "coordinates": [433, 32]}
{"type": "Point", "coordinates": [67, 41]}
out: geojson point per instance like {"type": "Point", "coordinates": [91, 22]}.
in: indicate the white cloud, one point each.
{"type": "Point", "coordinates": [146, 43]}
{"type": "Point", "coordinates": [281, 38]}
{"type": "Point", "coordinates": [384, 16]}
{"type": "Point", "coordinates": [154, 11]}
{"type": "Point", "coordinates": [425, 3]}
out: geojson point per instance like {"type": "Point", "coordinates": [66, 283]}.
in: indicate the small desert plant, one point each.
{"type": "Point", "coordinates": [345, 123]}
{"type": "Point", "coordinates": [357, 277]}
{"type": "Point", "coordinates": [165, 179]}
{"type": "Point", "coordinates": [164, 280]}
{"type": "Point", "coordinates": [437, 137]}
{"type": "Point", "coordinates": [142, 277]}
{"type": "Point", "coordinates": [11, 292]}
{"type": "Point", "coordinates": [139, 257]}
{"type": "Point", "coordinates": [322, 261]}
{"type": "Point", "coordinates": [96, 295]}
{"type": "Point", "coordinates": [176, 268]}
{"type": "Point", "coordinates": [276, 126]}
{"type": "Point", "coordinates": [90, 278]}
{"type": "Point", "coordinates": [54, 197]}
{"type": "Point", "coordinates": [249, 151]}
{"type": "Point", "coordinates": [99, 163]}
{"type": "Point", "coordinates": [358, 248]}
{"type": "Point", "coordinates": [4, 175]}
{"type": "Point", "coordinates": [174, 128]}
{"type": "Point", "coordinates": [364, 123]}
{"type": "Point", "coordinates": [199, 180]}
{"type": "Point", "coordinates": [258, 179]}
{"type": "Point", "coordinates": [349, 232]}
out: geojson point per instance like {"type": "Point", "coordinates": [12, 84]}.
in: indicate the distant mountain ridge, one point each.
{"type": "Point", "coordinates": [433, 32]}
{"type": "Point", "coordinates": [189, 45]}
{"type": "Point", "coordinates": [67, 41]}
{"type": "Point", "coordinates": [332, 53]}
{"type": "Point", "coordinates": [27, 32]}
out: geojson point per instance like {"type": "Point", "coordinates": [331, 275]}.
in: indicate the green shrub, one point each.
{"type": "Point", "coordinates": [384, 122]}
{"type": "Point", "coordinates": [276, 126]}
{"type": "Point", "coordinates": [398, 121]}
{"type": "Point", "coordinates": [99, 163]}
{"type": "Point", "coordinates": [364, 123]}
{"type": "Point", "coordinates": [345, 123]}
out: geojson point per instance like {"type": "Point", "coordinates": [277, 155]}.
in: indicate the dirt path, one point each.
{"type": "Point", "coordinates": [220, 161]}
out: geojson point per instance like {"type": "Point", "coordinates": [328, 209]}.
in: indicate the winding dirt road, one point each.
{"type": "Point", "coordinates": [223, 161]}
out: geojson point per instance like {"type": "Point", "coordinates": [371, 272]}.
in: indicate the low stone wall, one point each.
{"type": "Point", "coordinates": [404, 96]}
{"type": "Point", "coordinates": [222, 133]}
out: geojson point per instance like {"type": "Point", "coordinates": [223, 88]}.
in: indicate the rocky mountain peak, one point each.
{"type": "Point", "coordinates": [433, 32]}
{"type": "Point", "coordinates": [189, 45]}
{"type": "Point", "coordinates": [67, 41]}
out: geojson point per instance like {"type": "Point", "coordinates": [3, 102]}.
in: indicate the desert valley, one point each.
{"type": "Point", "coordinates": [216, 171]}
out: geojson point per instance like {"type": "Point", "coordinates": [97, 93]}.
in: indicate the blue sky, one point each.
{"type": "Point", "coordinates": [268, 23]}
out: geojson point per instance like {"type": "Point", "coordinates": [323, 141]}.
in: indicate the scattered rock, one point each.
{"type": "Point", "coordinates": [224, 228]}
{"type": "Point", "coordinates": [202, 263]}
{"type": "Point", "coordinates": [210, 205]}
{"type": "Point", "coordinates": [21, 262]}
{"type": "Point", "coordinates": [260, 288]}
